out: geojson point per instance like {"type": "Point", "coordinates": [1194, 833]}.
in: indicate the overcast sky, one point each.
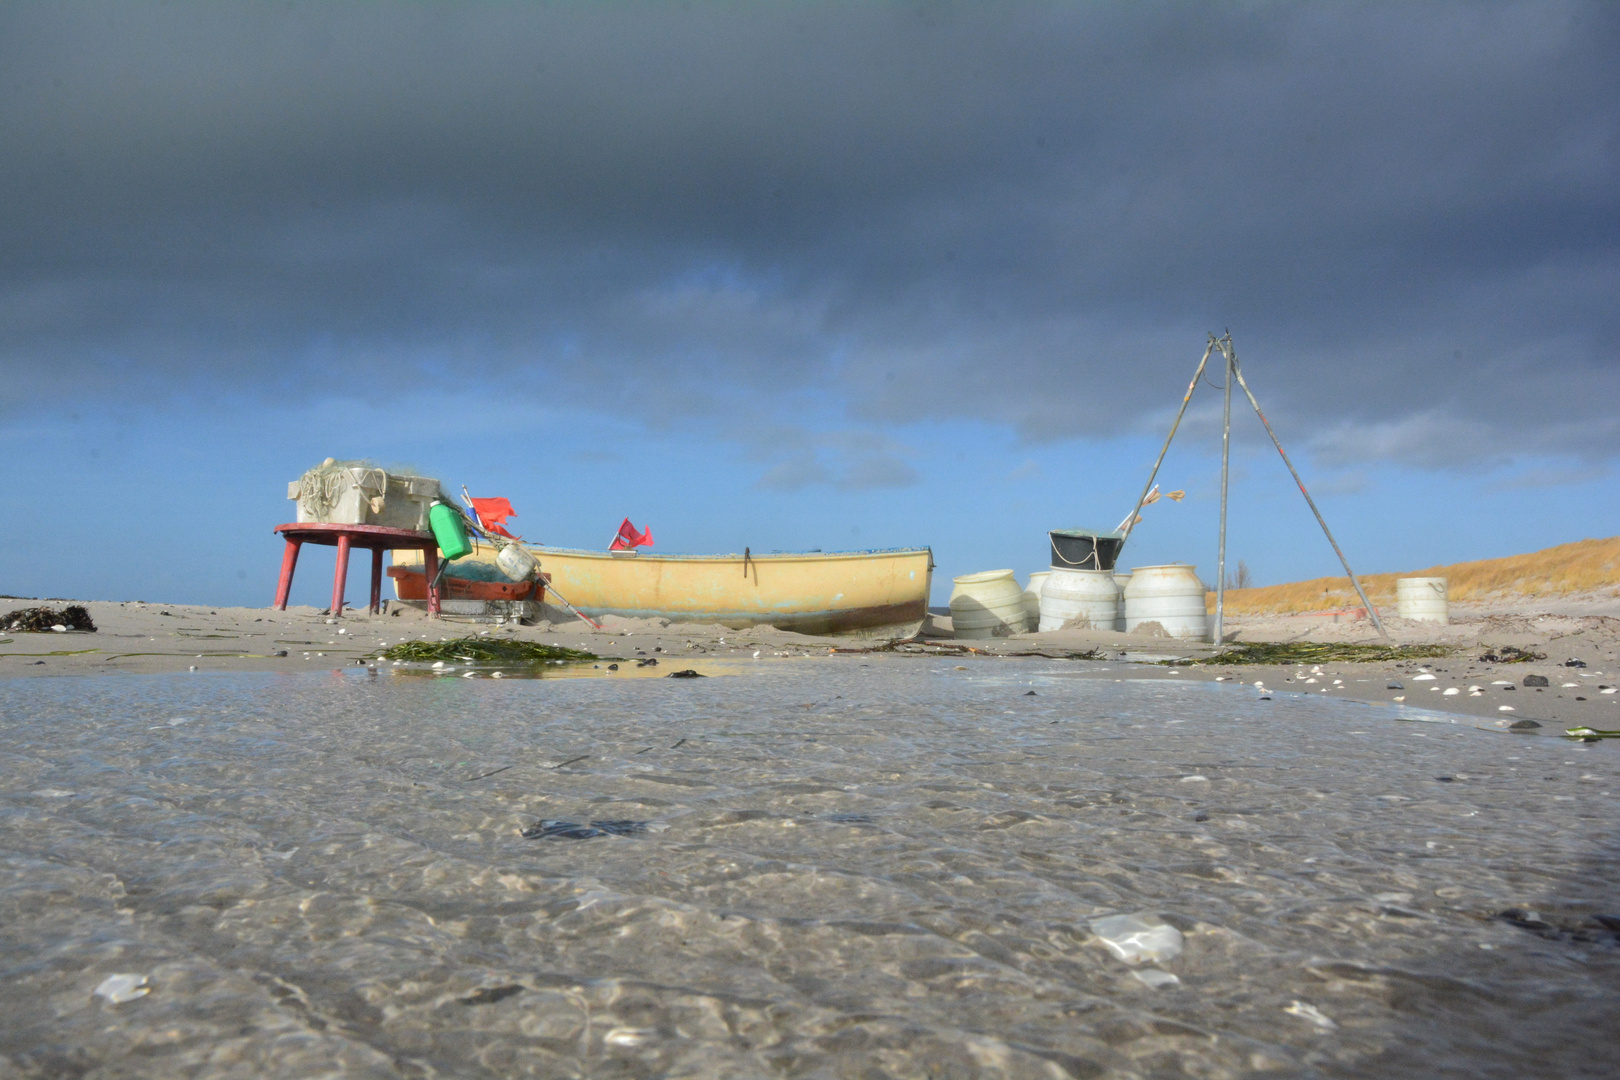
{"type": "Point", "coordinates": [819, 241]}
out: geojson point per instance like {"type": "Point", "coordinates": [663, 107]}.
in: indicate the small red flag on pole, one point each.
{"type": "Point", "coordinates": [491, 513]}
{"type": "Point", "coordinates": [629, 538]}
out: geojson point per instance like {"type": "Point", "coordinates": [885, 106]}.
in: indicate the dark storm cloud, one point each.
{"type": "Point", "coordinates": [1025, 214]}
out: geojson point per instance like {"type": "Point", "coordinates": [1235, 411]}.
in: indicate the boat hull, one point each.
{"type": "Point", "coordinates": [808, 592]}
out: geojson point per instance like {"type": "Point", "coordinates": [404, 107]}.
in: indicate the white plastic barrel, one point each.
{"type": "Point", "coordinates": [1423, 598]}
{"type": "Point", "coordinates": [1172, 596]}
{"type": "Point", "coordinates": [1121, 579]}
{"type": "Point", "coordinates": [989, 604]}
{"type": "Point", "coordinates": [1089, 599]}
{"type": "Point", "coordinates": [1032, 595]}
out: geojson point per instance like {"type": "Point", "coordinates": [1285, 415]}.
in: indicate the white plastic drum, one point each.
{"type": "Point", "coordinates": [1423, 598]}
{"type": "Point", "coordinates": [1087, 599]}
{"type": "Point", "coordinates": [1172, 596]}
{"type": "Point", "coordinates": [1122, 580]}
{"type": "Point", "coordinates": [988, 605]}
{"type": "Point", "coordinates": [1032, 595]}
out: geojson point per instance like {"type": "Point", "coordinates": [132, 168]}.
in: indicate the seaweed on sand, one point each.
{"type": "Point", "coordinates": [43, 619]}
{"type": "Point", "coordinates": [1317, 652]}
{"type": "Point", "coordinates": [1509, 655]}
{"type": "Point", "coordinates": [485, 651]}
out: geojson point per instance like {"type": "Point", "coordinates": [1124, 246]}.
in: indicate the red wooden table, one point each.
{"type": "Point", "coordinates": [343, 537]}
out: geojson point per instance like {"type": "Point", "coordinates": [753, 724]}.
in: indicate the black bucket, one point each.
{"type": "Point", "coordinates": [1082, 549]}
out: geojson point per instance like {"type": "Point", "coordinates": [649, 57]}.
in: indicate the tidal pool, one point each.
{"type": "Point", "coordinates": [808, 868]}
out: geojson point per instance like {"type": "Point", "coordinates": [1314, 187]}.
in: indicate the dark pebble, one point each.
{"type": "Point", "coordinates": [1200, 816]}
{"type": "Point", "coordinates": [1574, 663]}
{"type": "Point", "coordinates": [687, 674]}
{"type": "Point", "coordinates": [1535, 680]}
{"type": "Point", "coordinates": [489, 995]}
{"type": "Point", "coordinates": [1523, 725]}
{"type": "Point", "coordinates": [1580, 699]}
{"type": "Point", "coordinates": [550, 829]}
{"type": "Point", "coordinates": [281, 652]}
{"type": "Point", "coordinates": [613, 667]}
{"type": "Point", "coordinates": [1030, 693]}
{"type": "Point", "coordinates": [1524, 920]}
{"type": "Point", "coordinates": [1394, 686]}
{"type": "Point", "coordinates": [1446, 779]}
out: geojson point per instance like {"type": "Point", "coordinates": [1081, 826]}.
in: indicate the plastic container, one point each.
{"type": "Point", "coordinates": [1032, 595]}
{"type": "Point", "coordinates": [516, 563]}
{"type": "Point", "coordinates": [1121, 580]}
{"type": "Point", "coordinates": [1172, 596]}
{"type": "Point", "coordinates": [1084, 549]}
{"type": "Point", "coordinates": [989, 604]}
{"type": "Point", "coordinates": [450, 531]}
{"type": "Point", "coordinates": [1423, 598]}
{"type": "Point", "coordinates": [1081, 599]}
{"type": "Point", "coordinates": [359, 495]}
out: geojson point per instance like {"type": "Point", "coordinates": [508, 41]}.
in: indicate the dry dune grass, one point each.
{"type": "Point", "coordinates": [1584, 566]}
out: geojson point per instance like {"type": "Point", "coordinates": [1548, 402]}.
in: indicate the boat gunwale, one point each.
{"type": "Point", "coordinates": [737, 556]}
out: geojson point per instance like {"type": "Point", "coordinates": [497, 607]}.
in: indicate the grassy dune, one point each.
{"type": "Point", "coordinates": [1584, 566]}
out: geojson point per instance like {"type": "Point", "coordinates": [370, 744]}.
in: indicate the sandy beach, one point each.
{"type": "Point", "coordinates": [146, 638]}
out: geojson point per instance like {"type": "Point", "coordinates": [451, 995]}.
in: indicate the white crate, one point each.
{"type": "Point", "coordinates": [362, 496]}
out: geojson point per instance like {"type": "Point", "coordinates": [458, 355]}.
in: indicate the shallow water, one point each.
{"type": "Point", "coordinates": [836, 870]}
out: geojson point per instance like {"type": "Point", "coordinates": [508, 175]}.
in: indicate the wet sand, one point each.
{"type": "Point", "coordinates": [820, 866]}
{"type": "Point", "coordinates": [143, 638]}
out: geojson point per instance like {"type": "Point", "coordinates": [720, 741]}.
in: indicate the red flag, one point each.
{"type": "Point", "coordinates": [629, 538]}
{"type": "Point", "coordinates": [491, 513]}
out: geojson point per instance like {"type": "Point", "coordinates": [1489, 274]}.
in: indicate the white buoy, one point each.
{"type": "Point", "coordinates": [1424, 599]}
{"type": "Point", "coordinates": [988, 604]}
{"type": "Point", "coordinates": [1172, 596]}
{"type": "Point", "coordinates": [1082, 599]}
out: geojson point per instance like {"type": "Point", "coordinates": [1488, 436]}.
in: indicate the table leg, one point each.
{"type": "Point", "coordinates": [342, 576]}
{"type": "Point", "coordinates": [376, 580]}
{"type": "Point", "coordinates": [430, 565]}
{"type": "Point", "coordinates": [289, 560]}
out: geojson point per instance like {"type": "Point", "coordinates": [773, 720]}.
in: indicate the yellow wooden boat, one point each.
{"type": "Point", "coordinates": [810, 592]}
